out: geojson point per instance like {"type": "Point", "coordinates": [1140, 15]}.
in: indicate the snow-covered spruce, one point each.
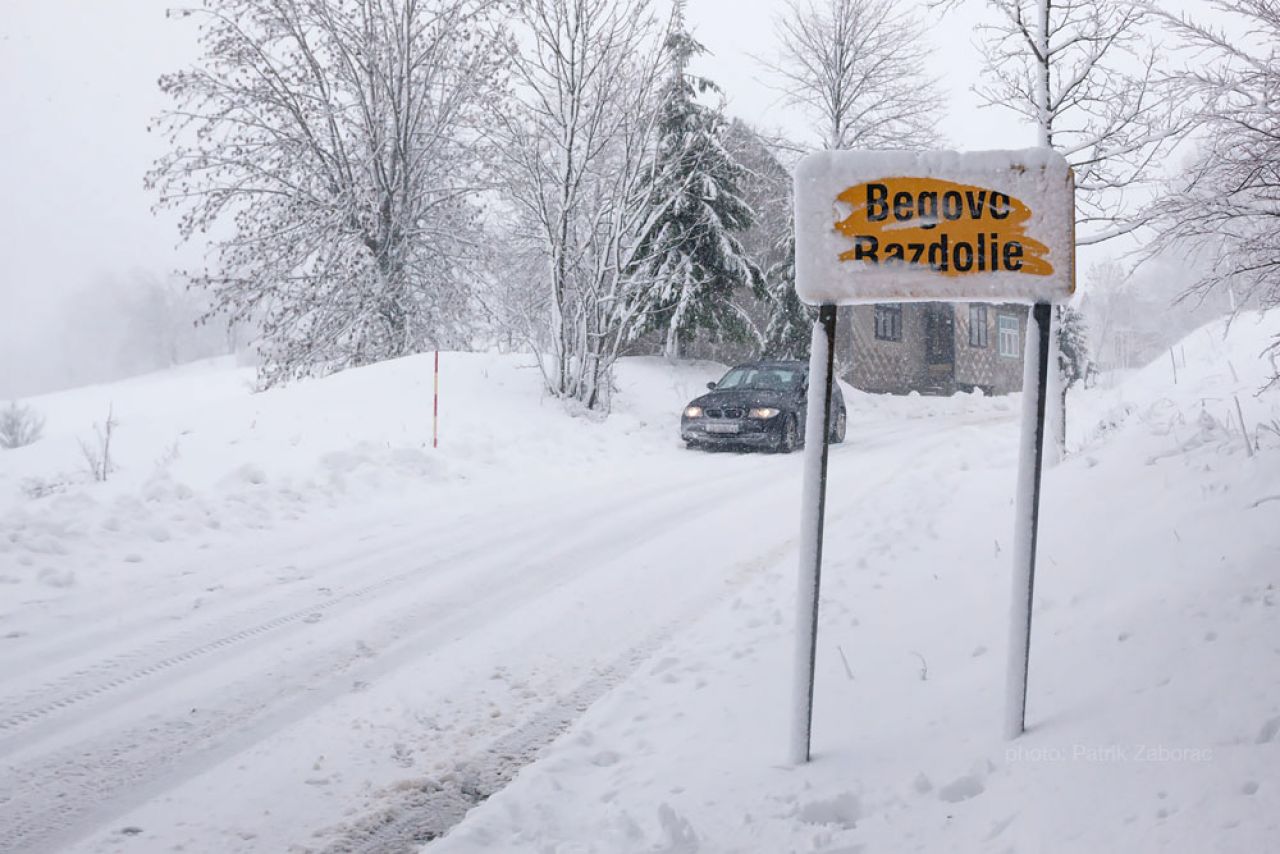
{"type": "Point", "coordinates": [691, 266]}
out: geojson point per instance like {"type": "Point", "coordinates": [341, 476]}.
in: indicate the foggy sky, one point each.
{"type": "Point", "coordinates": [78, 87]}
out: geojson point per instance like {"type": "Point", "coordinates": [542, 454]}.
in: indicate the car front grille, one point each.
{"type": "Point", "coordinates": [733, 412]}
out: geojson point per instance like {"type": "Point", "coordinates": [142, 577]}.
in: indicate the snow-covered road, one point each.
{"type": "Point", "coordinates": [450, 635]}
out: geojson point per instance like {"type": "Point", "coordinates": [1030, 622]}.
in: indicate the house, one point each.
{"type": "Point", "coordinates": [932, 348]}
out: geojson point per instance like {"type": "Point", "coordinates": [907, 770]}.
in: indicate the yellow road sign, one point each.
{"type": "Point", "coordinates": [875, 226]}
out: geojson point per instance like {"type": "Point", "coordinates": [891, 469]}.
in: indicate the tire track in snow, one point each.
{"type": "Point", "coordinates": [268, 599]}
{"type": "Point", "coordinates": [152, 659]}
{"type": "Point", "coordinates": [429, 811]}
{"type": "Point", "coordinates": [426, 811]}
{"type": "Point", "coordinates": [62, 793]}
{"type": "Point", "coordinates": [56, 795]}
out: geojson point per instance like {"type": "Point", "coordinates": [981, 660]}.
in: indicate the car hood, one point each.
{"type": "Point", "coordinates": [746, 398]}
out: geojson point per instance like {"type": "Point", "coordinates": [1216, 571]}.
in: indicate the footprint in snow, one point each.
{"type": "Point", "coordinates": [844, 810]}
{"type": "Point", "coordinates": [1000, 827]}
{"type": "Point", "coordinates": [961, 789]}
{"type": "Point", "coordinates": [57, 578]}
{"type": "Point", "coordinates": [1249, 788]}
{"type": "Point", "coordinates": [679, 834]}
{"type": "Point", "coordinates": [1269, 731]}
{"type": "Point", "coordinates": [605, 758]}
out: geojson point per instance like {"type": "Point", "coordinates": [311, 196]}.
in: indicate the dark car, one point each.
{"type": "Point", "coordinates": [757, 405]}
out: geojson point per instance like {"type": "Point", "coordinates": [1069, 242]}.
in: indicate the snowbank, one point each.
{"type": "Point", "coordinates": [199, 456]}
{"type": "Point", "coordinates": [1154, 721]}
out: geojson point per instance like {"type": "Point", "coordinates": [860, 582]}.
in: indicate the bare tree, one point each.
{"type": "Point", "coordinates": [97, 453]}
{"type": "Point", "coordinates": [574, 144]}
{"type": "Point", "coordinates": [1083, 74]}
{"type": "Point", "coordinates": [856, 69]}
{"type": "Point", "coordinates": [1107, 303]}
{"type": "Point", "coordinates": [157, 323]}
{"type": "Point", "coordinates": [1226, 207]}
{"type": "Point", "coordinates": [328, 145]}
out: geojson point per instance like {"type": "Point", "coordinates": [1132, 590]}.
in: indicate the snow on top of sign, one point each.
{"type": "Point", "coordinates": [874, 226]}
{"type": "Point", "coordinates": [931, 164]}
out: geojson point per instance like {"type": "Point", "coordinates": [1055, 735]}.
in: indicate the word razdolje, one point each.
{"type": "Point", "coordinates": [950, 228]}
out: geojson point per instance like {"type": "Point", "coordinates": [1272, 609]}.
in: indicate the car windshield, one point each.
{"type": "Point", "coordinates": [778, 378]}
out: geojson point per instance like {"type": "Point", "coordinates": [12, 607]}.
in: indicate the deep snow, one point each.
{"type": "Point", "coordinates": [286, 623]}
{"type": "Point", "coordinates": [1154, 713]}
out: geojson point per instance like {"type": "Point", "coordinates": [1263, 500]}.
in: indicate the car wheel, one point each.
{"type": "Point", "coordinates": [790, 435]}
{"type": "Point", "coordinates": [837, 429]}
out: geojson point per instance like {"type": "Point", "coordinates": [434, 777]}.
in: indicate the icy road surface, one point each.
{"type": "Point", "coordinates": [356, 682]}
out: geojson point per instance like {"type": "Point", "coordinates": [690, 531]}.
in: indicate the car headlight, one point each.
{"type": "Point", "coordinates": [693, 412]}
{"type": "Point", "coordinates": [763, 412]}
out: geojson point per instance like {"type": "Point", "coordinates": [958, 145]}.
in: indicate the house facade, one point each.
{"type": "Point", "coordinates": [932, 348]}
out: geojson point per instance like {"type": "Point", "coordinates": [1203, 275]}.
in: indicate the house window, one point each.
{"type": "Point", "coordinates": [977, 326]}
{"type": "Point", "coordinates": [889, 321]}
{"type": "Point", "coordinates": [1007, 329]}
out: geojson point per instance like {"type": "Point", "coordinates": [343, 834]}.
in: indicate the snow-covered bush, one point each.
{"type": "Point", "coordinates": [19, 426]}
{"type": "Point", "coordinates": [97, 454]}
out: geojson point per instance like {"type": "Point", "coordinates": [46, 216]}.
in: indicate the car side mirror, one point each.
{"type": "Point", "coordinates": [711, 385]}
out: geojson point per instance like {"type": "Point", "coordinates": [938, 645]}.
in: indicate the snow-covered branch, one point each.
{"type": "Point", "coordinates": [329, 149]}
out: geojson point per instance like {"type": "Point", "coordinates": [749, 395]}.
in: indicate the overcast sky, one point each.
{"type": "Point", "coordinates": [78, 87]}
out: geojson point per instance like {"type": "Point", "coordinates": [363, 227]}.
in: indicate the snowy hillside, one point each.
{"type": "Point", "coordinates": [285, 622]}
{"type": "Point", "coordinates": [197, 456]}
{"type": "Point", "coordinates": [1154, 720]}
{"type": "Point", "coordinates": [263, 573]}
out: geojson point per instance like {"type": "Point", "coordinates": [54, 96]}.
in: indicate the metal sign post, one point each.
{"type": "Point", "coordinates": [933, 226]}
{"type": "Point", "coordinates": [813, 510]}
{"type": "Point", "coordinates": [1035, 387]}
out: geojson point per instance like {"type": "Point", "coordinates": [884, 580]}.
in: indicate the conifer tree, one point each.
{"type": "Point", "coordinates": [692, 264]}
{"type": "Point", "coordinates": [790, 321]}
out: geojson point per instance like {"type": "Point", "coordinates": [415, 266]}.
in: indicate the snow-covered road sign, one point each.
{"type": "Point", "coordinates": [889, 226]}
{"type": "Point", "coordinates": [915, 226]}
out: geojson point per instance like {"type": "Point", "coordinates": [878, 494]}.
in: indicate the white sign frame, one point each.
{"type": "Point", "coordinates": [900, 198]}
{"type": "Point", "coordinates": [1023, 197]}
